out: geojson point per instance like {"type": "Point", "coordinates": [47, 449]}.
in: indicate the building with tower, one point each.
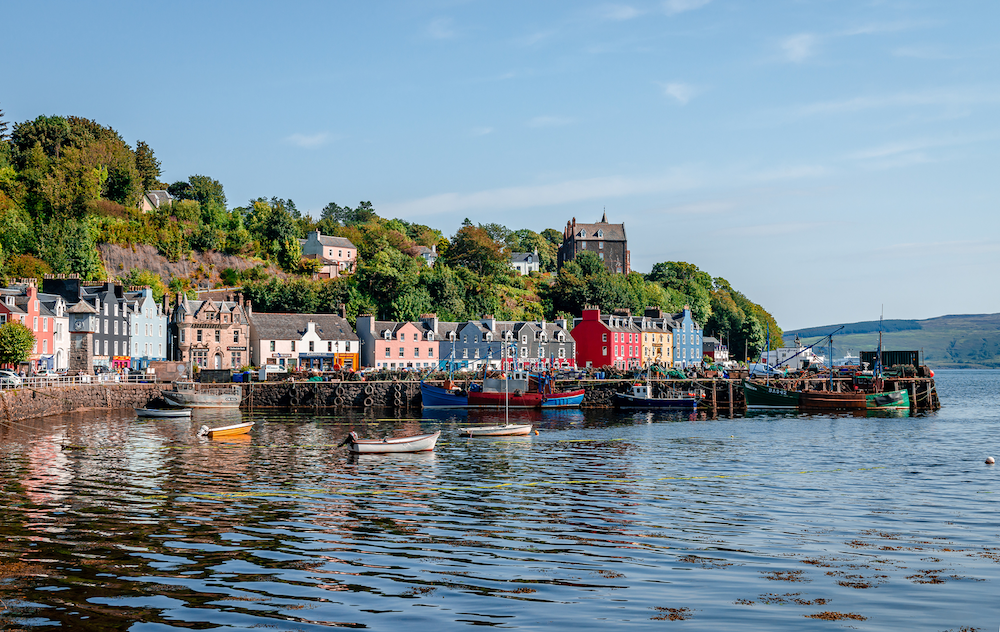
{"type": "Point", "coordinates": [605, 240]}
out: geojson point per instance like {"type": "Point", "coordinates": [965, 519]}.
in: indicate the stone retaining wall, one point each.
{"type": "Point", "coordinates": [24, 403]}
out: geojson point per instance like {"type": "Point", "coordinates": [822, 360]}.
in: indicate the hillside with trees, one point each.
{"type": "Point", "coordinates": [70, 191]}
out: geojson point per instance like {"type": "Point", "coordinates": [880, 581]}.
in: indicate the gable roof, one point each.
{"type": "Point", "coordinates": [271, 326]}
{"type": "Point", "coordinates": [336, 242]}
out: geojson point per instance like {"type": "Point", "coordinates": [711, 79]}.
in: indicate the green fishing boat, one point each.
{"type": "Point", "coordinates": [762, 396]}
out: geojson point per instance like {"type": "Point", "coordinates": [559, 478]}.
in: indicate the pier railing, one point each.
{"type": "Point", "coordinates": [40, 381]}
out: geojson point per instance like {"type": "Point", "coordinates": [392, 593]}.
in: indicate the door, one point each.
{"type": "Point", "coordinates": [218, 360]}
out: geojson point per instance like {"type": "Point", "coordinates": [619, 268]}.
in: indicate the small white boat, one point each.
{"type": "Point", "coordinates": [225, 431]}
{"type": "Point", "coordinates": [163, 412]}
{"type": "Point", "coordinates": [508, 430]}
{"type": "Point", "coordinates": [390, 445]}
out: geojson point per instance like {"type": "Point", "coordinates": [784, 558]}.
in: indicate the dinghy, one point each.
{"type": "Point", "coordinates": [163, 412]}
{"type": "Point", "coordinates": [391, 445]}
{"type": "Point", "coordinates": [225, 431]}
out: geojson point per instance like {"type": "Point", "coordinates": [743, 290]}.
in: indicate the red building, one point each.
{"type": "Point", "coordinates": [609, 340]}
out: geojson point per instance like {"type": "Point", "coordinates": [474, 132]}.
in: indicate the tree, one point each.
{"type": "Point", "coordinates": [3, 128]}
{"type": "Point", "coordinates": [16, 342]}
{"type": "Point", "coordinates": [147, 164]}
{"type": "Point", "coordinates": [474, 249]}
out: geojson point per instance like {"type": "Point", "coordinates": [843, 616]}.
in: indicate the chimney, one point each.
{"type": "Point", "coordinates": [490, 322]}
{"type": "Point", "coordinates": [248, 308]}
{"type": "Point", "coordinates": [342, 310]}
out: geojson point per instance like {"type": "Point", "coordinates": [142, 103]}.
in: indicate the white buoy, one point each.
{"type": "Point", "coordinates": [989, 460]}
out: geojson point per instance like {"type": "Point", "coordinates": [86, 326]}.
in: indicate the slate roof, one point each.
{"type": "Point", "coordinates": [336, 242]}
{"type": "Point", "coordinates": [158, 197]}
{"type": "Point", "coordinates": [82, 307]}
{"type": "Point", "coordinates": [522, 257]}
{"type": "Point", "coordinates": [293, 326]}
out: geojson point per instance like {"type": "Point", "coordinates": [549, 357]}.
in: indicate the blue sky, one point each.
{"type": "Point", "coordinates": [826, 157]}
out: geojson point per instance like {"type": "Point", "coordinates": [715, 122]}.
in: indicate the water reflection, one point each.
{"type": "Point", "coordinates": [601, 519]}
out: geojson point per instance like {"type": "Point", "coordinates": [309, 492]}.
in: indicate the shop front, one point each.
{"type": "Point", "coordinates": [120, 362]}
{"type": "Point", "coordinates": [328, 361]}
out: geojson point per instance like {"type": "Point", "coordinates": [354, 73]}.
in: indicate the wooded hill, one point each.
{"type": "Point", "coordinates": [69, 194]}
{"type": "Point", "coordinates": [956, 341]}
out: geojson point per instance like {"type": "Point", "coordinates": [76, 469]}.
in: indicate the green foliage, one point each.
{"type": "Point", "coordinates": [201, 189]}
{"type": "Point", "coordinates": [473, 248]}
{"type": "Point", "coordinates": [16, 342]}
{"type": "Point", "coordinates": [27, 267]}
{"type": "Point", "coordinates": [334, 215]}
{"type": "Point", "coordinates": [67, 246]}
{"type": "Point", "coordinates": [147, 165]}
{"type": "Point", "coordinates": [139, 277]}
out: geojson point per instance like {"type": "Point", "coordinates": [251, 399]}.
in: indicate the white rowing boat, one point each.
{"type": "Point", "coordinates": [390, 445]}
{"type": "Point", "coordinates": [163, 412]}
{"type": "Point", "coordinates": [507, 430]}
{"type": "Point", "coordinates": [225, 431]}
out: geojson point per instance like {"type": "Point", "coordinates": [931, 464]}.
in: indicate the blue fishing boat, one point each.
{"type": "Point", "coordinates": [443, 397]}
{"type": "Point", "coordinates": [571, 399]}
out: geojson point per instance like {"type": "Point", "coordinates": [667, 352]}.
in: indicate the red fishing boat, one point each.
{"type": "Point", "coordinates": [520, 389]}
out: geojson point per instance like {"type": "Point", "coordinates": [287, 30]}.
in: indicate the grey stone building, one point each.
{"type": "Point", "coordinates": [607, 241]}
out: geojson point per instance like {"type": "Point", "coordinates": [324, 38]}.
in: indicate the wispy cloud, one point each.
{"type": "Point", "coordinates": [680, 92]}
{"type": "Point", "coordinates": [798, 48]}
{"type": "Point", "coordinates": [617, 12]}
{"type": "Point", "coordinates": [673, 7]}
{"type": "Point", "coordinates": [530, 196]}
{"type": "Point", "coordinates": [953, 97]}
{"type": "Point", "coordinates": [550, 121]}
{"type": "Point", "coordinates": [308, 141]}
{"type": "Point", "coordinates": [441, 28]}
{"type": "Point", "coordinates": [481, 131]}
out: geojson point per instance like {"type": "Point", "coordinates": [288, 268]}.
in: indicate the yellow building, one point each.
{"type": "Point", "coordinates": [657, 337]}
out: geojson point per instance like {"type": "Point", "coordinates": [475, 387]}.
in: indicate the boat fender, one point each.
{"type": "Point", "coordinates": [203, 431]}
{"type": "Point", "coordinates": [338, 401]}
{"type": "Point", "coordinates": [369, 389]}
{"type": "Point", "coordinates": [989, 460]}
{"type": "Point", "coordinates": [368, 402]}
{"type": "Point", "coordinates": [536, 433]}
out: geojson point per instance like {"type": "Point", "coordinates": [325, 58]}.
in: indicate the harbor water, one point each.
{"type": "Point", "coordinates": [601, 521]}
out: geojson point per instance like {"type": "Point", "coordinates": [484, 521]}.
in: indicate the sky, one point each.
{"type": "Point", "coordinates": [832, 159]}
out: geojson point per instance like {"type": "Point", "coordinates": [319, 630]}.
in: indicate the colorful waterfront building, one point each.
{"type": "Point", "coordinates": [607, 340]}
{"type": "Point", "coordinates": [387, 344]}
{"type": "Point", "coordinates": [210, 334]}
{"type": "Point", "coordinates": [657, 337]}
{"type": "Point", "coordinates": [324, 342]}
{"type": "Point", "coordinates": [21, 303]}
{"type": "Point", "coordinates": [148, 326]}
{"type": "Point", "coordinates": [688, 349]}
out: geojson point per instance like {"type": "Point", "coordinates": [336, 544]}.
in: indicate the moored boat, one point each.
{"type": "Point", "coordinates": [507, 430]}
{"type": "Point", "coordinates": [641, 396]}
{"type": "Point", "coordinates": [387, 445]}
{"type": "Point", "coordinates": [760, 396]}
{"type": "Point", "coordinates": [163, 412]}
{"type": "Point", "coordinates": [196, 395]}
{"type": "Point", "coordinates": [432, 396]}
{"type": "Point", "coordinates": [225, 431]}
{"type": "Point", "coordinates": [520, 389]}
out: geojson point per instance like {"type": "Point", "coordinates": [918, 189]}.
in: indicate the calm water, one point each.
{"type": "Point", "coordinates": [600, 521]}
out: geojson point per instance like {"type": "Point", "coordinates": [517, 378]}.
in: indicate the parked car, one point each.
{"type": "Point", "coordinates": [9, 378]}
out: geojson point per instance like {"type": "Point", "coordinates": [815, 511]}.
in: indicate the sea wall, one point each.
{"type": "Point", "coordinates": [24, 403]}
{"type": "Point", "coordinates": [723, 396]}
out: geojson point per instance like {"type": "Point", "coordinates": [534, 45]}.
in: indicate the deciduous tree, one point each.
{"type": "Point", "coordinates": [16, 342]}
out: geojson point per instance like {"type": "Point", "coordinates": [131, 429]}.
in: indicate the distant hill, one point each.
{"type": "Point", "coordinates": [955, 341]}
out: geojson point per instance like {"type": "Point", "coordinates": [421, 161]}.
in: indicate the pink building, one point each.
{"type": "Point", "coordinates": [338, 254]}
{"type": "Point", "coordinates": [396, 345]}
{"type": "Point", "coordinates": [21, 304]}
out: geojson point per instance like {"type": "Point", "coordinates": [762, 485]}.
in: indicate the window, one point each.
{"type": "Point", "coordinates": [465, 339]}
{"type": "Point", "coordinates": [45, 324]}
{"type": "Point", "coordinates": [312, 346]}
{"type": "Point", "coordinates": [416, 352]}
{"type": "Point", "coordinates": [340, 253]}
{"type": "Point", "coordinates": [477, 352]}
{"type": "Point", "coordinates": [401, 354]}
{"type": "Point", "coordinates": [465, 353]}
{"type": "Point", "coordinates": [45, 346]}
{"type": "Point", "coordinates": [329, 346]}
{"type": "Point", "coordinates": [270, 346]}
{"type": "Point", "coordinates": [600, 245]}
{"type": "Point", "coordinates": [34, 324]}
{"type": "Point", "coordinates": [218, 335]}
{"type": "Point", "coordinates": [616, 336]}
{"type": "Point", "coordinates": [116, 347]}
{"type": "Point", "coordinates": [116, 309]}
{"type": "Point", "coordinates": [236, 335]}
{"type": "Point", "coordinates": [160, 354]}
{"type": "Point", "coordinates": [105, 347]}
{"type": "Point", "coordinates": [293, 346]}
{"type": "Point", "coordinates": [182, 335]}
{"type": "Point", "coordinates": [387, 352]}
{"type": "Point", "coordinates": [402, 336]}
{"type": "Point", "coordinates": [199, 335]}
{"type": "Point", "coordinates": [347, 346]}
{"type": "Point", "coordinates": [601, 255]}
{"type": "Point", "coordinates": [524, 352]}
{"type": "Point", "coordinates": [604, 338]}
{"type": "Point", "coordinates": [524, 338]}
{"type": "Point", "coordinates": [237, 358]}
{"type": "Point", "coordinates": [430, 352]}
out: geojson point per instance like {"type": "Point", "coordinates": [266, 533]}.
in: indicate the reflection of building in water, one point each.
{"type": "Point", "coordinates": [48, 473]}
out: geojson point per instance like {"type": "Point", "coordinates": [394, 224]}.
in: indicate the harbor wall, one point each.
{"type": "Point", "coordinates": [721, 396]}
{"type": "Point", "coordinates": [24, 403]}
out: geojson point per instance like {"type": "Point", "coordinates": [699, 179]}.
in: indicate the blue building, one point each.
{"type": "Point", "coordinates": [688, 349]}
{"type": "Point", "coordinates": [147, 326]}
